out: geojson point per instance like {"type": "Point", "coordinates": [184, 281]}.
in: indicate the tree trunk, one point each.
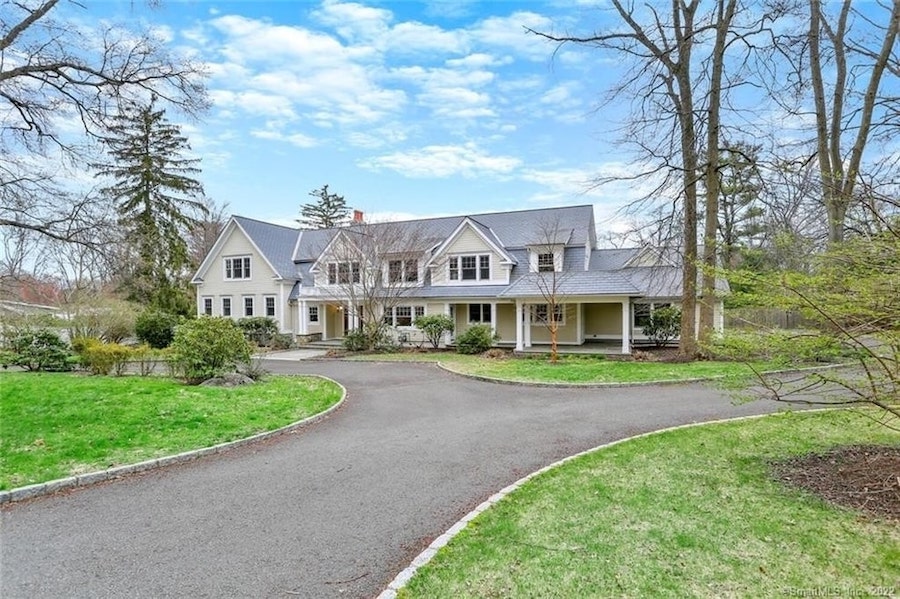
{"type": "Point", "coordinates": [708, 290]}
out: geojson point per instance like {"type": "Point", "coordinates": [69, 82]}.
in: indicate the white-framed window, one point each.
{"type": "Point", "coordinates": [641, 312]}
{"type": "Point", "coordinates": [226, 306]}
{"type": "Point", "coordinates": [237, 268]}
{"type": "Point", "coordinates": [207, 306]}
{"type": "Point", "coordinates": [313, 313]}
{"type": "Point", "coordinates": [546, 262]}
{"type": "Point", "coordinates": [343, 273]}
{"type": "Point", "coordinates": [541, 313]}
{"type": "Point", "coordinates": [248, 305]}
{"type": "Point", "coordinates": [403, 271]}
{"type": "Point", "coordinates": [480, 313]}
{"type": "Point", "coordinates": [269, 301]}
{"type": "Point", "coordinates": [403, 316]}
{"type": "Point", "coordinates": [470, 267]}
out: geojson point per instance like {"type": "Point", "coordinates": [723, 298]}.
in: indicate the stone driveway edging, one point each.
{"type": "Point", "coordinates": [664, 382]}
{"type": "Point", "coordinates": [400, 581]}
{"type": "Point", "coordinates": [91, 478]}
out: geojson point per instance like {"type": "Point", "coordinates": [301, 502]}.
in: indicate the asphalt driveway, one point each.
{"type": "Point", "coordinates": [336, 509]}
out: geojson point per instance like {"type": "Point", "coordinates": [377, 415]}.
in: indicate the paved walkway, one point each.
{"type": "Point", "coordinates": [335, 510]}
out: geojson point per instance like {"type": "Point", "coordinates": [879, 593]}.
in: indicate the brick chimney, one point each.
{"type": "Point", "coordinates": [357, 217]}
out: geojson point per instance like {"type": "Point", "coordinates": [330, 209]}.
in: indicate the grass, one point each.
{"type": "Point", "coordinates": [55, 425]}
{"type": "Point", "coordinates": [576, 369]}
{"type": "Point", "coordinates": [687, 513]}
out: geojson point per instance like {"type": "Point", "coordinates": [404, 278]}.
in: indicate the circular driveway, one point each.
{"type": "Point", "coordinates": [336, 509]}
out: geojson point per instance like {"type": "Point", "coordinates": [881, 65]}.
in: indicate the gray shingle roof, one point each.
{"type": "Point", "coordinates": [571, 284]}
{"type": "Point", "coordinates": [293, 251]}
{"type": "Point", "coordinates": [276, 242]}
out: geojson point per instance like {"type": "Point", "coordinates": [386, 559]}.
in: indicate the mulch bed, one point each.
{"type": "Point", "coordinates": [862, 477]}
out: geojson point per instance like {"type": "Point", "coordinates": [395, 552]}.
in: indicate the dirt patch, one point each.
{"type": "Point", "coordinates": [862, 477]}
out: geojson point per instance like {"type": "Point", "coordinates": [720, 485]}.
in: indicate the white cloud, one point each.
{"type": "Point", "coordinates": [444, 161]}
{"type": "Point", "coordinates": [298, 139]}
{"type": "Point", "coordinates": [510, 32]}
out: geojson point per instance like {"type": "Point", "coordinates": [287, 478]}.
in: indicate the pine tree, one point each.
{"type": "Point", "coordinates": [329, 211]}
{"type": "Point", "coordinates": [157, 200]}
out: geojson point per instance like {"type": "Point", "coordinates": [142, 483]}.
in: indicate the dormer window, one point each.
{"type": "Point", "coordinates": [474, 267]}
{"type": "Point", "coordinates": [546, 262]}
{"type": "Point", "coordinates": [403, 271]}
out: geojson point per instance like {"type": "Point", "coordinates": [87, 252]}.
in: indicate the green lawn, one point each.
{"type": "Point", "coordinates": [574, 369]}
{"type": "Point", "coordinates": [687, 513]}
{"type": "Point", "coordinates": [54, 425]}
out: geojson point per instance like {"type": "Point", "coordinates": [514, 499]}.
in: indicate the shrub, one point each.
{"type": "Point", "coordinates": [356, 341]}
{"type": "Point", "coordinates": [281, 341]}
{"type": "Point", "coordinates": [259, 329]}
{"type": "Point", "coordinates": [664, 325]}
{"type": "Point", "coordinates": [40, 349]}
{"type": "Point", "coordinates": [434, 326]}
{"type": "Point", "coordinates": [102, 358]}
{"type": "Point", "coordinates": [156, 328]}
{"type": "Point", "coordinates": [207, 347]}
{"type": "Point", "coordinates": [475, 340]}
{"type": "Point", "coordinates": [107, 320]}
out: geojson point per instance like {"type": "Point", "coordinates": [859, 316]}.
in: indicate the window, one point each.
{"type": "Point", "coordinates": [546, 262]}
{"type": "Point", "coordinates": [226, 306]}
{"type": "Point", "coordinates": [237, 268]}
{"type": "Point", "coordinates": [541, 313]}
{"type": "Point", "coordinates": [270, 306]}
{"type": "Point", "coordinates": [342, 273]}
{"type": "Point", "coordinates": [403, 271]}
{"type": "Point", "coordinates": [484, 267]}
{"type": "Point", "coordinates": [314, 313]}
{"type": "Point", "coordinates": [207, 306]}
{"type": "Point", "coordinates": [403, 316]}
{"type": "Point", "coordinates": [642, 315]}
{"type": "Point", "coordinates": [470, 268]}
{"type": "Point", "coordinates": [480, 313]}
{"type": "Point", "coordinates": [248, 306]}
{"type": "Point", "coordinates": [395, 271]}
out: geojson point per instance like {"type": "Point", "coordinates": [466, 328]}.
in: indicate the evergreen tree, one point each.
{"type": "Point", "coordinates": [157, 200]}
{"type": "Point", "coordinates": [329, 211]}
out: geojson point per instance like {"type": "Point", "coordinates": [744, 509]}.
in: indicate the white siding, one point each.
{"type": "Point", "coordinates": [468, 242]}
{"type": "Point", "coordinates": [261, 282]}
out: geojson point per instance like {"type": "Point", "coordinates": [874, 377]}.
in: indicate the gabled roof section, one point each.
{"type": "Point", "coordinates": [325, 253]}
{"type": "Point", "coordinates": [273, 243]}
{"type": "Point", "coordinates": [482, 231]}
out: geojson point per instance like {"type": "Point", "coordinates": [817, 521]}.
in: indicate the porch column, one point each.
{"type": "Point", "coordinates": [324, 318]}
{"type": "Point", "coordinates": [493, 318]}
{"type": "Point", "coordinates": [303, 315]}
{"type": "Point", "coordinates": [528, 321]}
{"type": "Point", "coordinates": [579, 307]}
{"type": "Point", "coordinates": [520, 325]}
{"type": "Point", "coordinates": [626, 326]}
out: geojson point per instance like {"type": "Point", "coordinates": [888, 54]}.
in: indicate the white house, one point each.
{"type": "Point", "coordinates": [493, 268]}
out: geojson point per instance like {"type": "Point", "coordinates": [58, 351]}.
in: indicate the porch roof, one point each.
{"type": "Point", "coordinates": [571, 284]}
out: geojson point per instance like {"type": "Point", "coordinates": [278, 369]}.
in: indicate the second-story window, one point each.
{"type": "Point", "coordinates": [237, 268]}
{"type": "Point", "coordinates": [342, 273]}
{"type": "Point", "coordinates": [546, 262]}
{"type": "Point", "coordinates": [403, 271]}
{"type": "Point", "coordinates": [475, 267]}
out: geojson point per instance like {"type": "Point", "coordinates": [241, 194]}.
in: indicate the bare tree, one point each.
{"type": "Point", "coordinates": [843, 69]}
{"type": "Point", "coordinates": [666, 126]}
{"type": "Point", "coordinates": [371, 268]}
{"type": "Point", "coordinates": [549, 273]}
{"type": "Point", "coordinates": [55, 72]}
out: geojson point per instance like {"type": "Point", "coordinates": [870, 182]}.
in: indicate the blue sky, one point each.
{"type": "Point", "coordinates": [405, 108]}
